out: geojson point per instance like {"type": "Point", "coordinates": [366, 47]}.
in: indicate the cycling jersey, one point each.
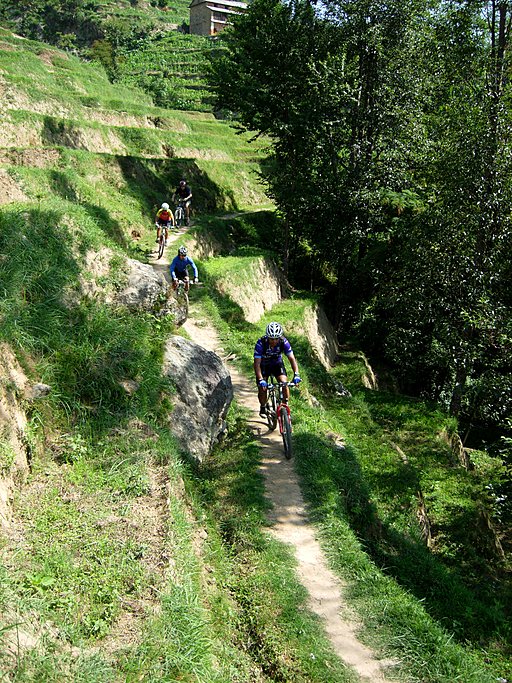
{"type": "Point", "coordinates": [183, 192]}
{"type": "Point", "coordinates": [179, 266]}
{"type": "Point", "coordinates": [272, 354]}
{"type": "Point", "coordinates": [164, 215]}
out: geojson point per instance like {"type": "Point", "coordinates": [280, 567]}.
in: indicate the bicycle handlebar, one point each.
{"type": "Point", "coordinates": [271, 385]}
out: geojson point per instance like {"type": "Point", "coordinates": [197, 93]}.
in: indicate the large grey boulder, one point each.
{"type": "Point", "coordinates": [145, 288]}
{"type": "Point", "coordinates": [204, 394]}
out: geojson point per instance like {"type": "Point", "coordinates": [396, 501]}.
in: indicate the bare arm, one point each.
{"type": "Point", "coordinates": [293, 362]}
{"type": "Point", "coordinates": [257, 368]}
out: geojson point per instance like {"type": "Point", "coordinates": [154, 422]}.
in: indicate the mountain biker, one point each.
{"type": "Point", "coordinates": [268, 360]}
{"type": "Point", "coordinates": [179, 268]}
{"type": "Point", "coordinates": [183, 193]}
{"type": "Point", "coordinates": [164, 217]}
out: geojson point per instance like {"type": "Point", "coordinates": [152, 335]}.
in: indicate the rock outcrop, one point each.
{"type": "Point", "coordinates": [260, 290]}
{"type": "Point", "coordinates": [144, 288]}
{"type": "Point", "coordinates": [321, 335]}
{"type": "Point", "coordinates": [203, 395]}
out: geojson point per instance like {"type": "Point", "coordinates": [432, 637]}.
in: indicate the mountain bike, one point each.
{"type": "Point", "coordinates": [278, 412]}
{"type": "Point", "coordinates": [164, 233]}
{"type": "Point", "coordinates": [181, 292]}
{"type": "Point", "coordinates": [180, 215]}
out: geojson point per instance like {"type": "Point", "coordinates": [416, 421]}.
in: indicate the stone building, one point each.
{"type": "Point", "coordinates": [210, 18]}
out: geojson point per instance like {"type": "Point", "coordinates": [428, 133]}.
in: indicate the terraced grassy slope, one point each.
{"type": "Point", "coordinates": [172, 67]}
{"type": "Point", "coordinates": [167, 62]}
{"type": "Point", "coordinates": [66, 131]}
{"type": "Point", "coordinates": [167, 14]}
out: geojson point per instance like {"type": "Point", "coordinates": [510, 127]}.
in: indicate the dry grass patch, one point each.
{"type": "Point", "coordinates": [10, 191]}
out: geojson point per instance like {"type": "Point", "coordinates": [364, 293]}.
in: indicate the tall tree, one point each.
{"type": "Point", "coordinates": [335, 95]}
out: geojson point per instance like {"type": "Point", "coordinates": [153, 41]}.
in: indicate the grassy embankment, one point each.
{"type": "Point", "coordinates": [442, 611]}
{"type": "Point", "coordinates": [114, 567]}
{"type": "Point", "coordinates": [120, 571]}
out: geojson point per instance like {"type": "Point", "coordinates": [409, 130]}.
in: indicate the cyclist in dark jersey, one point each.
{"type": "Point", "coordinates": [268, 360]}
{"type": "Point", "coordinates": [183, 193]}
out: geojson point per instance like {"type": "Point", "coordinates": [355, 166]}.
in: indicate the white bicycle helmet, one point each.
{"type": "Point", "coordinates": [182, 250]}
{"type": "Point", "coordinates": [274, 331]}
{"type": "Point", "coordinates": [165, 206]}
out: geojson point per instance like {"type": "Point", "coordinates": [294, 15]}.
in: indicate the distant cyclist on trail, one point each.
{"type": "Point", "coordinates": [183, 193]}
{"type": "Point", "coordinates": [179, 268]}
{"type": "Point", "coordinates": [268, 360]}
{"type": "Point", "coordinates": [164, 217]}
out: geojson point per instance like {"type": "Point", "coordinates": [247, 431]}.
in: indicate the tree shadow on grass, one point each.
{"type": "Point", "coordinates": [88, 348]}
{"type": "Point", "coordinates": [230, 311]}
{"type": "Point", "coordinates": [62, 187]}
{"type": "Point", "coordinates": [153, 181]}
{"type": "Point", "coordinates": [233, 487]}
{"type": "Point", "coordinates": [335, 474]}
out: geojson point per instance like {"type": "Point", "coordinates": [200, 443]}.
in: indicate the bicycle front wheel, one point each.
{"type": "Point", "coordinates": [271, 412]}
{"type": "Point", "coordinates": [161, 244]}
{"type": "Point", "coordinates": [286, 433]}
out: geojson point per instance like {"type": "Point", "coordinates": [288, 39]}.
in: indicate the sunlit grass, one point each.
{"type": "Point", "coordinates": [208, 594]}
{"type": "Point", "coordinates": [363, 496]}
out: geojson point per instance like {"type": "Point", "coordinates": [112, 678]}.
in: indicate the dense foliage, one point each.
{"type": "Point", "coordinates": [67, 24]}
{"type": "Point", "coordinates": [391, 166]}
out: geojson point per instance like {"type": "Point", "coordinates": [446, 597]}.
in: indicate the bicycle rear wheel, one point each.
{"type": "Point", "coordinates": [286, 433]}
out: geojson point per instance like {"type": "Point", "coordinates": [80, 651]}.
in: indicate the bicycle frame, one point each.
{"type": "Point", "coordinates": [180, 213]}
{"type": "Point", "coordinates": [280, 414]}
{"type": "Point", "coordinates": [271, 388]}
{"type": "Point", "coordinates": [164, 234]}
{"type": "Point", "coordinates": [182, 289]}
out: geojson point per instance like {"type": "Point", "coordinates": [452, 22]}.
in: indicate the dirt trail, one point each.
{"type": "Point", "coordinates": [289, 516]}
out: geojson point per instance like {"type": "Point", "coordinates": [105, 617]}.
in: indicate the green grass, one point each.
{"type": "Point", "coordinates": [126, 561]}
{"type": "Point", "coordinates": [428, 608]}
{"type": "Point", "coordinates": [173, 68]}
{"type": "Point", "coordinates": [280, 634]}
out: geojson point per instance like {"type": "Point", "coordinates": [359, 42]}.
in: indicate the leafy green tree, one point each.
{"type": "Point", "coordinates": [340, 106]}
{"type": "Point", "coordinates": [47, 20]}
{"type": "Point", "coordinates": [447, 304]}
{"type": "Point", "coordinates": [390, 164]}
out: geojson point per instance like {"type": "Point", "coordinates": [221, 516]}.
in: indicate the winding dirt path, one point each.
{"type": "Point", "coordinates": [289, 516]}
{"type": "Point", "coordinates": [290, 523]}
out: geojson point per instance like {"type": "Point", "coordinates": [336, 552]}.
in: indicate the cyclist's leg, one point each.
{"type": "Point", "coordinates": [187, 212]}
{"type": "Point", "coordinates": [176, 281]}
{"type": "Point", "coordinates": [262, 396]}
{"type": "Point", "coordinates": [281, 377]}
{"type": "Point", "coordinates": [262, 393]}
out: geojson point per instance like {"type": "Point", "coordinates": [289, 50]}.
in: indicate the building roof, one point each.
{"type": "Point", "coordinates": [220, 5]}
{"type": "Point", "coordinates": [222, 10]}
